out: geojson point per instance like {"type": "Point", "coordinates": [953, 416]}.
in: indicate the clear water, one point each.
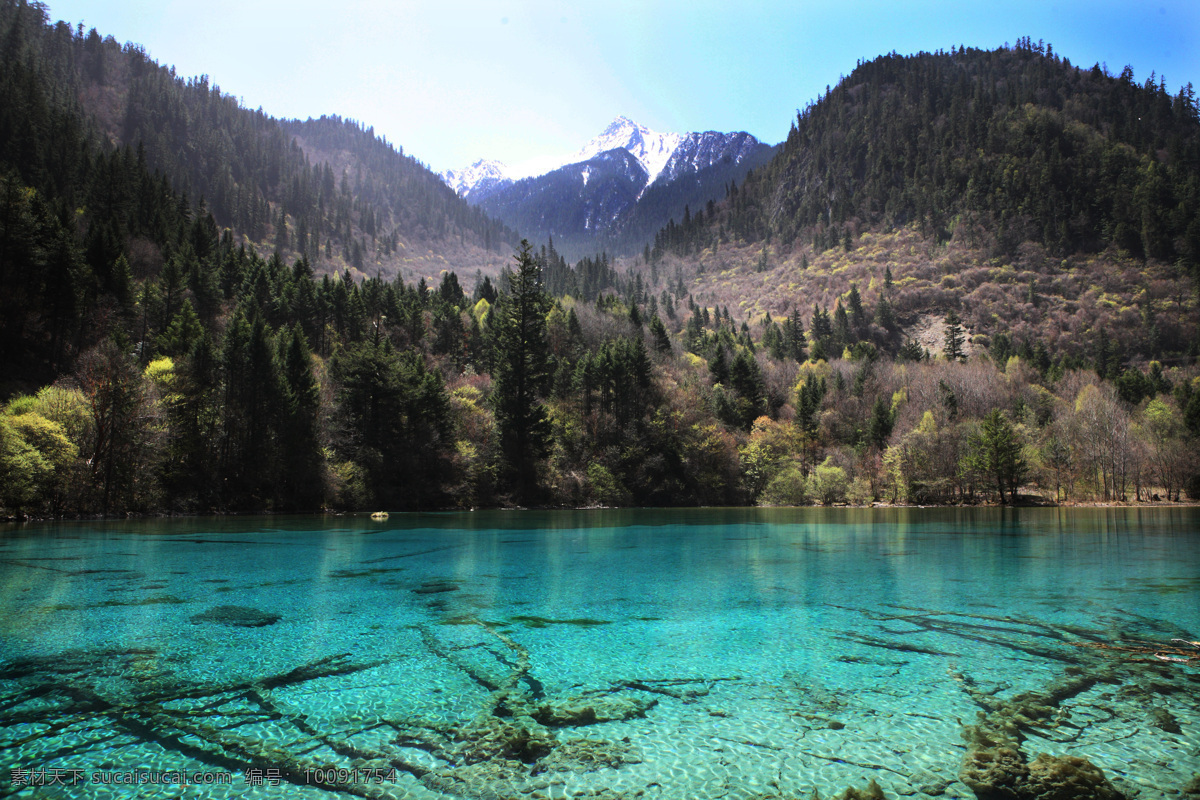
{"type": "Point", "coordinates": [723, 653]}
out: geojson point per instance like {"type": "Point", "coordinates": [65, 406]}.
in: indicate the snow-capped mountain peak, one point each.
{"type": "Point", "coordinates": [664, 156]}
{"type": "Point", "coordinates": [484, 172]}
{"type": "Point", "coordinates": [652, 150]}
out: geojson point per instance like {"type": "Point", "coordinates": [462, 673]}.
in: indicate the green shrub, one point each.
{"type": "Point", "coordinates": [827, 483]}
{"type": "Point", "coordinates": [786, 489]}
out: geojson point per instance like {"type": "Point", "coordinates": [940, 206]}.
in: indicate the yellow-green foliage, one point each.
{"type": "Point", "coordinates": [481, 309]}
{"type": "Point", "coordinates": [1088, 397]}
{"type": "Point", "coordinates": [788, 488]}
{"type": "Point", "coordinates": [766, 454]}
{"type": "Point", "coordinates": [474, 464]}
{"type": "Point", "coordinates": [21, 404]}
{"type": "Point", "coordinates": [21, 468]}
{"type": "Point", "coordinates": [70, 409]}
{"type": "Point", "coordinates": [827, 483]}
{"type": "Point", "coordinates": [859, 492]}
{"type": "Point", "coordinates": [35, 455]}
{"type": "Point", "coordinates": [893, 474]}
{"type": "Point", "coordinates": [475, 421]}
{"type": "Point", "coordinates": [347, 484]}
{"type": "Point", "coordinates": [813, 369]}
{"type": "Point", "coordinates": [47, 436]}
{"type": "Point", "coordinates": [160, 372]}
{"type": "Point", "coordinates": [604, 487]}
{"type": "Point", "coordinates": [1163, 419]}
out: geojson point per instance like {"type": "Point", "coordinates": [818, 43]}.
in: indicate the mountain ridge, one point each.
{"type": "Point", "coordinates": [675, 171]}
{"type": "Point", "coordinates": [659, 154]}
{"type": "Point", "coordinates": [247, 166]}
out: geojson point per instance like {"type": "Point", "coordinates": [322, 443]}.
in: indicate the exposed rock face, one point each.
{"type": "Point", "coordinates": [699, 150]}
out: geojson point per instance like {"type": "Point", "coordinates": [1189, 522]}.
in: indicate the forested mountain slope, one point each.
{"type": "Point", "coordinates": [1016, 140]}
{"type": "Point", "coordinates": [329, 189]}
{"type": "Point", "coordinates": [1040, 200]}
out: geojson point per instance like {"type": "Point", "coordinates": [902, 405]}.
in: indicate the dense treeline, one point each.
{"type": "Point", "coordinates": [1015, 142]}
{"type": "Point", "coordinates": [250, 169]}
{"type": "Point", "coordinates": [73, 218]}
{"type": "Point", "coordinates": [302, 394]}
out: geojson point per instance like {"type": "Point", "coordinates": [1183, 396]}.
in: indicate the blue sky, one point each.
{"type": "Point", "coordinates": [452, 82]}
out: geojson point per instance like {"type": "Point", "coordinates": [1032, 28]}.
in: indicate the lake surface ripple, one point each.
{"type": "Point", "coordinates": [702, 653]}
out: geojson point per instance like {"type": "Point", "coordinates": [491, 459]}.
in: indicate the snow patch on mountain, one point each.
{"type": "Point", "coordinates": [698, 151]}
{"type": "Point", "coordinates": [484, 173]}
{"type": "Point", "coordinates": [652, 150]}
{"type": "Point", "coordinates": [664, 156]}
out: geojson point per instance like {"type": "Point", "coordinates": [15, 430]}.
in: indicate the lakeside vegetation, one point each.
{"type": "Point", "coordinates": [410, 397]}
{"type": "Point", "coordinates": [920, 344]}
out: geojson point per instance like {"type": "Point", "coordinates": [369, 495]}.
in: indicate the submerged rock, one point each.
{"type": "Point", "coordinates": [588, 755]}
{"type": "Point", "coordinates": [1003, 774]}
{"type": "Point", "coordinates": [995, 773]}
{"type": "Point", "coordinates": [578, 711]}
{"type": "Point", "coordinates": [237, 616]}
{"type": "Point", "coordinates": [1164, 720]}
{"type": "Point", "coordinates": [436, 587]}
{"type": "Point", "coordinates": [1068, 778]}
{"type": "Point", "coordinates": [928, 783]}
{"type": "Point", "coordinates": [871, 792]}
{"type": "Point", "coordinates": [518, 738]}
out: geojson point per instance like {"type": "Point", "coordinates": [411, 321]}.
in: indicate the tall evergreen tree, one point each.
{"type": "Point", "coordinates": [792, 336]}
{"type": "Point", "coordinates": [522, 373]}
{"type": "Point", "coordinates": [300, 453]}
{"type": "Point", "coordinates": [954, 338]}
{"type": "Point", "coordinates": [996, 453]}
{"type": "Point", "coordinates": [662, 341]}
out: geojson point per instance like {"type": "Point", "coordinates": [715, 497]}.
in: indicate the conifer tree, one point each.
{"type": "Point", "coordinates": [522, 373]}
{"type": "Point", "coordinates": [911, 350]}
{"type": "Point", "coordinates": [884, 314]}
{"type": "Point", "coordinates": [792, 339]}
{"type": "Point", "coordinates": [841, 326]}
{"type": "Point", "coordinates": [300, 452]}
{"type": "Point", "coordinates": [996, 453]}
{"type": "Point", "coordinates": [954, 338]}
{"type": "Point", "coordinates": [856, 306]}
{"type": "Point", "coordinates": [662, 341]}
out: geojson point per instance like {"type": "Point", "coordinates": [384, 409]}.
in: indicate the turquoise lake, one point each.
{"type": "Point", "coordinates": [701, 653]}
